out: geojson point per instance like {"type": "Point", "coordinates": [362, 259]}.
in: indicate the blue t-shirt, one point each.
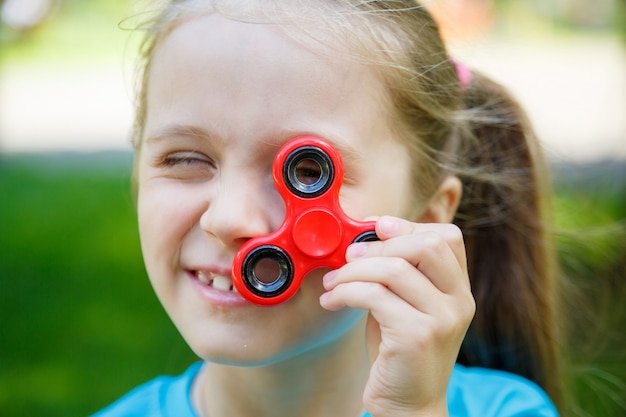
{"type": "Point", "coordinates": [472, 392]}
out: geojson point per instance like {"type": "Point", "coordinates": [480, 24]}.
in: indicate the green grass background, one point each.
{"type": "Point", "coordinates": [80, 324]}
{"type": "Point", "coordinates": [590, 217]}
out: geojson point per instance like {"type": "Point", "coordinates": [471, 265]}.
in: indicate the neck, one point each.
{"type": "Point", "coordinates": [328, 381]}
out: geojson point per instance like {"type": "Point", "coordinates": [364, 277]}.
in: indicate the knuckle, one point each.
{"type": "Point", "coordinates": [455, 318]}
{"type": "Point", "coordinates": [454, 234]}
{"type": "Point", "coordinates": [470, 307]}
{"type": "Point", "coordinates": [433, 242]}
{"type": "Point", "coordinates": [464, 310]}
{"type": "Point", "coordinates": [451, 320]}
{"type": "Point", "coordinates": [396, 267]}
{"type": "Point", "coordinates": [374, 291]}
{"type": "Point", "coordinates": [432, 238]}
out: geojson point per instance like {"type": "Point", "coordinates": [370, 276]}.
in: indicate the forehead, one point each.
{"type": "Point", "coordinates": [258, 70]}
{"type": "Point", "coordinates": [343, 30]}
{"type": "Point", "coordinates": [321, 37]}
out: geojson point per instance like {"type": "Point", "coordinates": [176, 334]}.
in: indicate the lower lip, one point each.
{"type": "Point", "coordinates": [215, 297]}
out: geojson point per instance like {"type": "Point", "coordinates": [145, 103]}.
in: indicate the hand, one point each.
{"type": "Point", "coordinates": [414, 283]}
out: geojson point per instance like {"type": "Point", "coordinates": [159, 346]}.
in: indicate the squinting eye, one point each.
{"type": "Point", "coordinates": [187, 165]}
{"type": "Point", "coordinates": [185, 158]}
{"type": "Point", "coordinates": [308, 171]}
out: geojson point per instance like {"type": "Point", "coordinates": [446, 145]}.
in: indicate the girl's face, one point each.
{"type": "Point", "coordinates": [223, 96]}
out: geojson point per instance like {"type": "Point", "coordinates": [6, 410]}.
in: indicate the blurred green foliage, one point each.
{"type": "Point", "coordinates": [590, 215]}
{"type": "Point", "coordinates": [76, 32]}
{"type": "Point", "coordinates": [80, 325]}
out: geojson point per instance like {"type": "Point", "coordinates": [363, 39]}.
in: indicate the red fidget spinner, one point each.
{"type": "Point", "coordinates": [315, 233]}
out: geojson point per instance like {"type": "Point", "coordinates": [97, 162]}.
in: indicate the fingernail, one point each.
{"type": "Point", "coordinates": [356, 250]}
{"type": "Point", "coordinates": [388, 225]}
{"type": "Point", "coordinates": [329, 278]}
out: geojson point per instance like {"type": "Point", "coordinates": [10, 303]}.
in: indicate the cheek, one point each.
{"type": "Point", "coordinates": [394, 198]}
{"type": "Point", "coordinates": [152, 232]}
{"type": "Point", "coordinates": [374, 200]}
{"type": "Point", "coordinates": [165, 216]}
{"type": "Point", "coordinates": [381, 183]}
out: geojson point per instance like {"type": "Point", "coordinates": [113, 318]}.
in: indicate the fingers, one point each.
{"type": "Point", "coordinates": [420, 265]}
{"type": "Point", "coordinates": [436, 250]}
{"type": "Point", "coordinates": [368, 294]}
{"type": "Point", "coordinates": [388, 227]}
{"type": "Point", "coordinates": [375, 282]}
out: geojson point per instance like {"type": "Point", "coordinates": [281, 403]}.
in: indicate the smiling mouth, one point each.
{"type": "Point", "coordinates": [218, 282]}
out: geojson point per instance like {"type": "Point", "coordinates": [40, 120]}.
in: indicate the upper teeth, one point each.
{"type": "Point", "coordinates": [222, 283]}
{"type": "Point", "coordinates": [216, 281]}
{"type": "Point", "coordinates": [203, 277]}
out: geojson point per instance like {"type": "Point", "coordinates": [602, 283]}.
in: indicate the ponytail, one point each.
{"type": "Point", "coordinates": [510, 255]}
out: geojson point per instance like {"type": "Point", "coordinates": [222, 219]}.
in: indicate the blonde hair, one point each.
{"type": "Point", "coordinates": [479, 134]}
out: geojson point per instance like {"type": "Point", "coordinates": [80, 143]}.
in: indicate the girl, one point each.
{"type": "Point", "coordinates": [441, 157]}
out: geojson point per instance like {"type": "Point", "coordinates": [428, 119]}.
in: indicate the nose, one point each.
{"type": "Point", "coordinates": [241, 208]}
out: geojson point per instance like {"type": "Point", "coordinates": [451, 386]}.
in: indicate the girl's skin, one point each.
{"type": "Point", "coordinates": [223, 96]}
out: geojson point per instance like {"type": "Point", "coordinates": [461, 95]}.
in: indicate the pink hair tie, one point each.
{"type": "Point", "coordinates": [464, 74]}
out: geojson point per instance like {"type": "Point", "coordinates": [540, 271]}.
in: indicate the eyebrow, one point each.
{"type": "Point", "coordinates": [348, 153]}
{"type": "Point", "coordinates": [189, 131]}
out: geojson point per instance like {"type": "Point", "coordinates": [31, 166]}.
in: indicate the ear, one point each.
{"type": "Point", "coordinates": [441, 208]}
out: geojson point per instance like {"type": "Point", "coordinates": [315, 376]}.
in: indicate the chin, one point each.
{"type": "Point", "coordinates": [234, 345]}
{"type": "Point", "coordinates": [245, 356]}
{"type": "Point", "coordinates": [258, 347]}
